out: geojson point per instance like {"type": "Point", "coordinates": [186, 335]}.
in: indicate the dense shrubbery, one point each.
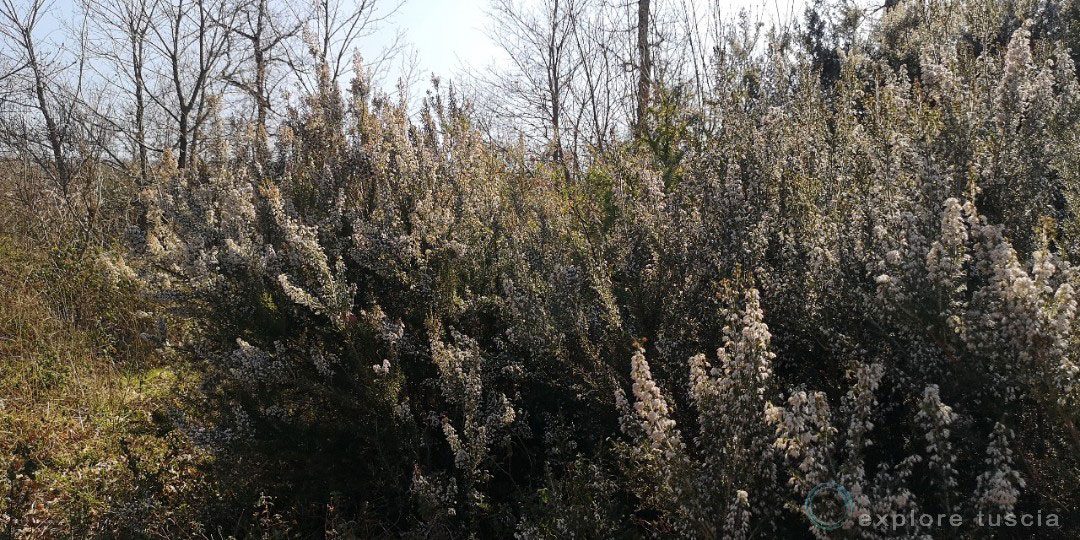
{"type": "Point", "coordinates": [404, 329]}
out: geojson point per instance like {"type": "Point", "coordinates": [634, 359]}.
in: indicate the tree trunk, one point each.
{"type": "Point", "coordinates": [262, 104]}
{"type": "Point", "coordinates": [644, 64]}
{"type": "Point", "coordinates": [262, 99]}
{"type": "Point", "coordinates": [555, 89]}
{"type": "Point", "coordinates": [182, 141]}
{"type": "Point", "coordinates": [56, 141]}
{"type": "Point", "coordinates": [140, 110]}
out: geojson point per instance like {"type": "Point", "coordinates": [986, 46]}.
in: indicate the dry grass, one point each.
{"type": "Point", "coordinates": [81, 398]}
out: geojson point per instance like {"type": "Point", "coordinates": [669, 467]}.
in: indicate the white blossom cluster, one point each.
{"type": "Point", "coordinates": [999, 486]}
{"type": "Point", "coordinates": [880, 258]}
{"type": "Point", "coordinates": [936, 418]}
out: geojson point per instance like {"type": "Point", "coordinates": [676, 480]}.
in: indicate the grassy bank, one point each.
{"type": "Point", "coordinates": [88, 444]}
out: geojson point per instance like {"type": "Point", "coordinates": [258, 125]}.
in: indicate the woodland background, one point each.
{"type": "Point", "coordinates": [662, 274]}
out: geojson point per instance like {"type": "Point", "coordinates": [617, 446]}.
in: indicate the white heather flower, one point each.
{"type": "Point", "coordinates": [948, 255]}
{"type": "Point", "coordinates": [652, 409]}
{"type": "Point", "coordinates": [999, 486]}
{"type": "Point", "coordinates": [804, 434]}
{"type": "Point", "coordinates": [861, 402]}
{"type": "Point", "coordinates": [892, 257]}
{"type": "Point", "coordinates": [939, 80]}
{"type": "Point", "coordinates": [936, 419]}
{"type": "Point", "coordinates": [323, 364]}
{"type": "Point", "coordinates": [1014, 90]}
{"type": "Point", "coordinates": [300, 296]}
{"type": "Point", "coordinates": [737, 522]}
{"type": "Point", "coordinates": [383, 368]}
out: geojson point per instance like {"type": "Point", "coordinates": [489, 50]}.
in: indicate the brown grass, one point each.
{"type": "Point", "coordinates": [79, 394]}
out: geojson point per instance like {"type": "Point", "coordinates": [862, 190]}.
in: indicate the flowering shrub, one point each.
{"type": "Point", "coordinates": [408, 327]}
{"type": "Point", "coordinates": [881, 267]}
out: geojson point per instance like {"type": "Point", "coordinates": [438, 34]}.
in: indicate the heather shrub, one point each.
{"type": "Point", "coordinates": [841, 260]}
{"type": "Point", "coordinates": [815, 284]}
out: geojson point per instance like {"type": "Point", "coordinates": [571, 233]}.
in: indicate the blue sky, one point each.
{"type": "Point", "coordinates": [450, 36]}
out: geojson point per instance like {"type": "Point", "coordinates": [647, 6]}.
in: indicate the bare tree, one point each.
{"type": "Point", "coordinates": [644, 64]}
{"type": "Point", "coordinates": [582, 71]}
{"type": "Point", "coordinates": [9, 69]}
{"type": "Point", "coordinates": [50, 116]}
{"type": "Point", "coordinates": [192, 39]}
{"type": "Point", "coordinates": [18, 26]}
{"type": "Point", "coordinates": [331, 33]}
{"type": "Point", "coordinates": [122, 30]}
{"type": "Point", "coordinates": [540, 42]}
{"type": "Point", "coordinates": [262, 28]}
{"type": "Point", "coordinates": [601, 92]}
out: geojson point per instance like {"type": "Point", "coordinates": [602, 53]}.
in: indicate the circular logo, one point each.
{"type": "Point", "coordinates": [837, 505]}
